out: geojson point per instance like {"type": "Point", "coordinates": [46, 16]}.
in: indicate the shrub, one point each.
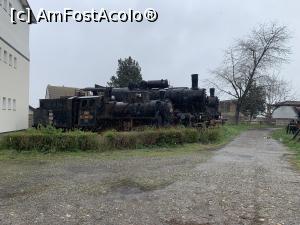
{"type": "Point", "coordinates": [53, 141]}
{"type": "Point", "coordinates": [50, 139]}
{"type": "Point", "coordinates": [150, 137]}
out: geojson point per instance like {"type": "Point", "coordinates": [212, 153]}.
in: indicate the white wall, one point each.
{"type": "Point", "coordinates": [14, 82]}
{"type": "Point", "coordinates": [285, 112]}
{"type": "Point", "coordinates": [17, 35]}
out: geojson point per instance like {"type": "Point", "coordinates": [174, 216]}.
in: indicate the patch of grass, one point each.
{"type": "Point", "coordinates": [228, 132]}
{"type": "Point", "coordinates": [286, 139]}
{"type": "Point", "coordinates": [171, 151]}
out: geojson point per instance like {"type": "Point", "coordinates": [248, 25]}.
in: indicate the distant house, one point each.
{"type": "Point", "coordinates": [286, 111]}
{"type": "Point", "coordinates": [228, 108]}
{"type": "Point", "coordinates": [53, 92]}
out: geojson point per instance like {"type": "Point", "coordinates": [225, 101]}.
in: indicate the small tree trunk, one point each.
{"type": "Point", "coordinates": [237, 113]}
{"type": "Point", "coordinates": [269, 115]}
{"type": "Point", "coordinates": [251, 117]}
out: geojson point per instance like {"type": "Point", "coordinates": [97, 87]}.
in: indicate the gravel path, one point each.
{"type": "Point", "coordinates": [250, 181]}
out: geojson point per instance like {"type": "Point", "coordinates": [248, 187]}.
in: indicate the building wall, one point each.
{"type": "Point", "coordinates": [16, 34]}
{"type": "Point", "coordinates": [282, 122]}
{"type": "Point", "coordinates": [227, 107]}
{"type": "Point", "coordinates": [14, 73]}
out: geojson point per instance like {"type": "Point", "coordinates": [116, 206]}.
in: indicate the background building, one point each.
{"type": "Point", "coordinates": [53, 92]}
{"type": "Point", "coordinates": [227, 109]}
{"type": "Point", "coordinates": [14, 68]}
{"type": "Point", "coordinates": [286, 111]}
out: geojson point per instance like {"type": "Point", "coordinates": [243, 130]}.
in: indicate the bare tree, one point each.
{"type": "Point", "coordinates": [277, 90]}
{"type": "Point", "coordinates": [247, 62]}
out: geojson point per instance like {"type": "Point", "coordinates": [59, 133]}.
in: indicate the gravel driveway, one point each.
{"type": "Point", "coordinates": [250, 181]}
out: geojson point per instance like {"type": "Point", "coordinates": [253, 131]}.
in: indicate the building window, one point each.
{"type": "Point", "coordinates": [15, 62]}
{"type": "Point", "coordinates": [10, 59]}
{"type": "Point", "coordinates": [5, 56]}
{"type": "Point", "coordinates": [5, 5]}
{"type": "Point", "coordinates": [14, 105]}
{"type": "Point", "coordinates": [3, 103]}
{"type": "Point", "coordinates": [9, 104]}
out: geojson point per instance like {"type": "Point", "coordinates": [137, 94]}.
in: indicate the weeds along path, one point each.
{"type": "Point", "coordinates": [250, 181]}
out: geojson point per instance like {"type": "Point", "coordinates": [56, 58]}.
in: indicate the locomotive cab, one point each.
{"type": "Point", "coordinates": [87, 111]}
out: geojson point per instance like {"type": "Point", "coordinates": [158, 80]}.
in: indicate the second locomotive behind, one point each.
{"type": "Point", "coordinates": [192, 106]}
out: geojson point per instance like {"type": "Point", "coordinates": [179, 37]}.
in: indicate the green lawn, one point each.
{"type": "Point", "coordinates": [286, 139]}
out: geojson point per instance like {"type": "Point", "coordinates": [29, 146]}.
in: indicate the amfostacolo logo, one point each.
{"type": "Point", "coordinates": [91, 16]}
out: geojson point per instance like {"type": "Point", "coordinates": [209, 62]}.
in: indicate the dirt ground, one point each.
{"type": "Point", "coordinates": [250, 181]}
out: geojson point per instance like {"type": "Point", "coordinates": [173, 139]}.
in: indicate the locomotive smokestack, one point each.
{"type": "Point", "coordinates": [212, 92]}
{"type": "Point", "coordinates": [195, 81]}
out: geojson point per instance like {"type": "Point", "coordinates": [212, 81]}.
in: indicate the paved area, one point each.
{"type": "Point", "coordinates": [250, 181]}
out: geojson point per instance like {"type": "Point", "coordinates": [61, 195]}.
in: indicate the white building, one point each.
{"type": "Point", "coordinates": [286, 111]}
{"type": "Point", "coordinates": [14, 68]}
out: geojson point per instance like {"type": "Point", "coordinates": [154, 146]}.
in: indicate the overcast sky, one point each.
{"type": "Point", "coordinates": [189, 37]}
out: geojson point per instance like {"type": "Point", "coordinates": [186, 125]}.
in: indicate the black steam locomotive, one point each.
{"type": "Point", "coordinates": [101, 112]}
{"type": "Point", "coordinates": [146, 103]}
{"type": "Point", "coordinates": [192, 106]}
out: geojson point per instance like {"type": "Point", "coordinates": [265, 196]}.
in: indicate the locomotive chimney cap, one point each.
{"type": "Point", "coordinates": [195, 81]}
{"type": "Point", "coordinates": [212, 92]}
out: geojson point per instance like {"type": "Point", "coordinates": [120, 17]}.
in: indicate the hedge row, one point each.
{"type": "Point", "coordinates": [148, 138]}
{"type": "Point", "coordinates": [49, 139]}
{"type": "Point", "coordinates": [50, 142]}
